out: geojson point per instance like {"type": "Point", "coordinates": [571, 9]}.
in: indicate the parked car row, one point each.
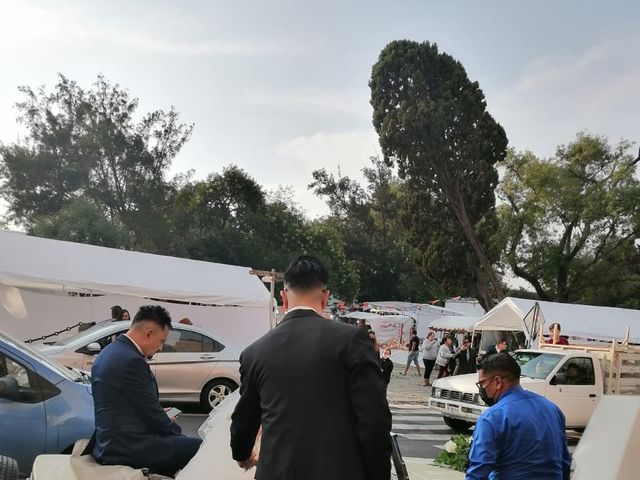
{"type": "Point", "coordinates": [45, 390]}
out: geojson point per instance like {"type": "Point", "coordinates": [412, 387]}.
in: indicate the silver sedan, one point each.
{"type": "Point", "coordinates": [192, 367]}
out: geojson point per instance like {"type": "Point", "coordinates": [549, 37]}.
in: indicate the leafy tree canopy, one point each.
{"type": "Point", "coordinates": [571, 223]}
{"type": "Point", "coordinates": [433, 123]}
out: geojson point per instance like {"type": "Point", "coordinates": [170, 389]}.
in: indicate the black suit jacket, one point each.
{"type": "Point", "coordinates": [131, 425]}
{"type": "Point", "coordinates": [316, 388]}
{"type": "Point", "coordinates": [466, 366]}
{"type": "Point", "coordinates": [492, 350]}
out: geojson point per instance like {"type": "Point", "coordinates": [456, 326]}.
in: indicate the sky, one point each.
{"type": "Point", "coordinates": [280, 88]}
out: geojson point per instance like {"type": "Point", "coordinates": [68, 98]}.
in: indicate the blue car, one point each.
{"type": "Point", "coordinates": [44, 406]}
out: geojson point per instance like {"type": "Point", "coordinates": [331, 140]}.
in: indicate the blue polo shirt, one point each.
{"type": "Point", "coordinates": [522, 437]}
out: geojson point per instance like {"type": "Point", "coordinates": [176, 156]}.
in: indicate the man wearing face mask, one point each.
{"type": "Point", "coordinates": [509, 442]}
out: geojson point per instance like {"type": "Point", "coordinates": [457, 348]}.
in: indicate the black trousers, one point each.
{"type": "Point", "coordinates": [428, 367]}
{"type": "Point", "coordinates": [184, 448]}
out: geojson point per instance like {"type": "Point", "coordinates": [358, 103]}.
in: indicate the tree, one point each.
{"type": "Point", "coordinates": [228, 218]}
{"type": "Point", "coordinates": [87, 144]}
{"type": "Point", "coordinates": [81, 221]}
{"type": "Point", "coordinates": [571, 222]}
{"type": "Point", "coordinates": [370, 222]}
{"type": "Point", "coordinates": [433, 123]}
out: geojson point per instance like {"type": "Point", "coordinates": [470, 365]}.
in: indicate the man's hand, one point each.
{"type": "Point", "coordinates": [248, 464]}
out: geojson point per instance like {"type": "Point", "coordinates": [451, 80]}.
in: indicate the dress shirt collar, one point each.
{"type": "Point", "coordinates": [301, 307]}
{"type": "Point", "coordinates": [136, 345]}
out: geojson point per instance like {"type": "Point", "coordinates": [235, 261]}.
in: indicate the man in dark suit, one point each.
{"type": "Point", "coordinates": [466, 358]}
{"type": "Point", "coordinates": [132, 428]}
{"type": "Point", "coordinates": [316, 388]}
{"type": "Point", "coordinates": [499, 347]}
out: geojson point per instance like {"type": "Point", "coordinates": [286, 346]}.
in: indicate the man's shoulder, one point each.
{"type": "Point", "coordinates": [313, 325]}
{"type": "Point", "coordinates": [117, 353]}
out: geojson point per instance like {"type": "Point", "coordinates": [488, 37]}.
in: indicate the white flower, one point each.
{"type": "Point", "coordinates": [450, 447]}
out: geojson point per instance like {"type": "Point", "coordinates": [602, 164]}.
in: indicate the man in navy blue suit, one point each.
{"type": "Point", "coordinates": [132, 428]}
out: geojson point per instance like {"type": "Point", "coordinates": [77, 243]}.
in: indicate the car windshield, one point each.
{"type": "Point", "coordinates": [51, 363]}
{"type": "Point", "coordinates": [537, 364]}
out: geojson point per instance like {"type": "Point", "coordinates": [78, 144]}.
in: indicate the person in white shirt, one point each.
{"type": "Point", "coordinates": [444, 357]}
{"type": "Point", "coordinates": [429, 355]}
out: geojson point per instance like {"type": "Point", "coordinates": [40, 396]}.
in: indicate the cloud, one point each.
{"type": "Point", "coordinates": [562, 93]}
{"type": "Point", "coordinates": [348, 152]}
{"type": "Point", "coordinates": [313, 101]}
{"type": "Point", "coordinates": [67, 28]}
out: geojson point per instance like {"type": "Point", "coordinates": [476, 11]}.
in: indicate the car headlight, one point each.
{"type": "Point", "coordinates": [437, 392]}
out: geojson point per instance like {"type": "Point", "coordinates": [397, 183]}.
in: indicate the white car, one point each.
{"type": "Point", "coordinates": [192, 367]}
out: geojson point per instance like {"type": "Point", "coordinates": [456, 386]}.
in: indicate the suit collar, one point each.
{"type": "Point", "coordinates": [297, 313]}
{"type": "Point", "coordinates": [126, 340]}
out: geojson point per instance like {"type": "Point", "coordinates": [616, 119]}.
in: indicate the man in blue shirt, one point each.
{"type": "Point", "coordinates": [522, 436]}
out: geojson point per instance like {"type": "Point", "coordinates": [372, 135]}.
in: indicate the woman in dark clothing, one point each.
{"type": "Point", "coordinates": [387, 367]}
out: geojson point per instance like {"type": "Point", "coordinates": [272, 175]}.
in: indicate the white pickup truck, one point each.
{"type": "Point", "coordinates": [574, 377]}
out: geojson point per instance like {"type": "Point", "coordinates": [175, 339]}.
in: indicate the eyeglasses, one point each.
{"type": "Point", "coordinates": [480, 384]}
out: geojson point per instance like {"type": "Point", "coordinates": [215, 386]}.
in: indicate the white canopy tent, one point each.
{"type": "Point", "coordinates": [453, 324]}
{"type": "Point", "coordinates": [584, 321]}
{"type": "Point", "coordinates": [391, 330]}
{"type": "Point", "coordinates": [34, 271]}
{"type": "Point", "coordinates": [43, 264]}
{"type": "Point", "coordinates": [422, 313]}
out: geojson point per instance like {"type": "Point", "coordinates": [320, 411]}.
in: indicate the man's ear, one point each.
{"type": "Point", "coordinates": [325, 299]}
{"type": "Point", "coordinates": [285, 300]}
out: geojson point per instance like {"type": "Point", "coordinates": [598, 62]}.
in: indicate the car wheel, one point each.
{"type": "Point", "coordinates": [458, 425]}
{"type": "Point", "coordinates": [8, 468]}
{"type": "Point", "coordinates": [215, 392]}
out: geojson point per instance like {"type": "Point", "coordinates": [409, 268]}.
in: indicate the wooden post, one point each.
{"type": "Point", "coordinates": [611, 367]}
{"type": "Point", "coordinates": [272, 297]}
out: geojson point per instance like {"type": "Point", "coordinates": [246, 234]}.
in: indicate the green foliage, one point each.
{"type": "Point", "coordinates": [369, 220]}
{"type": "Point", "coordinates": [569, 223]}
{"type": "Point", "coordinates": [86, 144]}
{"type": "Point", "coordinates": [433, 123]}
{"type": "Point", "coordinates": [81, 221]}
{"type": "Point", "coordinates": [455, 454]}
{"type": "Point", "coordinates": [228, 218]}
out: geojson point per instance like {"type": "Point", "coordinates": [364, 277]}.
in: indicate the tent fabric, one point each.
{"type": "Point", "coordinates": [452, 323]}
{"type": "Point", "coordinates": [44, 264]}
{"type": "Point", "coordinates": [584, 321]}
{"type": "Point", "coordinates": [390, 330]}
{"type": "Point", "coordinates": [412, 309]}
{"type": "Point", "coordinates": [45, 313]}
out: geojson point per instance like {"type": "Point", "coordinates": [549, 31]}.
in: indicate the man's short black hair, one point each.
{"type": "Point", "coordinates": [306, 273]}
{"type": "Point", "coordinates": [501, 364]}
{"type": "Point", "coordinates": [502, 340]}
{"type": "Point", "coordinates": [116, 312]}
{"type": "Point", "coordinates": [153, 313]}
{"type": "Point", "coordinates": [553, 325]}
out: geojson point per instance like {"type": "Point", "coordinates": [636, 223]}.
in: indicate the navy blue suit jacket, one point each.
{"type": "Point", "coordinates": [131, 426]}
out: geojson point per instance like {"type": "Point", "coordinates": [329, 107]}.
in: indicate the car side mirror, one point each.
{"type": "Point", "coordinates": [8, 387]}
{"type": "Point", "coordinates": [554, 380]}
{"type": "Point", "coordinates": [93, 348]}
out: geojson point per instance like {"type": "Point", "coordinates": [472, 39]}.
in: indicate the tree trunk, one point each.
{"type": "Point", "coordinates": [483, 295]}
{"type": "Point", "coordinates": [457, 205]}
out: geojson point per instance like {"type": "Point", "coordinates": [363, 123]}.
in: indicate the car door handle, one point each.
{"type": "Point", "coordinates": [592, 395]}
{"type": "Point", "coordinates": [208, 357]}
